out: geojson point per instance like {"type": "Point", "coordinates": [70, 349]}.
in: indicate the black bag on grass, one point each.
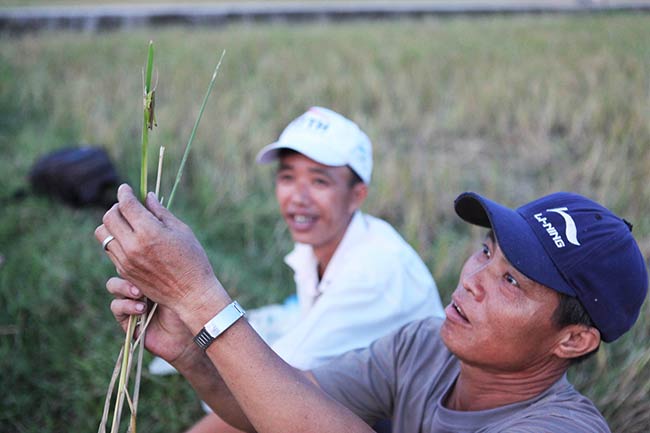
{"type": "Point", "coordinates": [80, 176]}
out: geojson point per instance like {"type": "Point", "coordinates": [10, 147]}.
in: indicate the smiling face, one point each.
{"type": "Point", "coordinates": [316, 201]}
{"type": "Point", "coordinates": [498, 318]}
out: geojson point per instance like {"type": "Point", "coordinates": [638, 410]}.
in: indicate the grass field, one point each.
{"type": "Point", "coordinates": [510, 107]}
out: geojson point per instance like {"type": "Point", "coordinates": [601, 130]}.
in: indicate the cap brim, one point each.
{"type": "Point", "coordinates": [318, 153]}
{"type": "Point", "coordinates": [268, 154]}
{"type": "Point", "coordinates": [515, 237]}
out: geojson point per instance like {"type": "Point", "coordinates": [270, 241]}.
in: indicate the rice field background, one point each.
{"type": "Point", "coordinates": [509, 107]}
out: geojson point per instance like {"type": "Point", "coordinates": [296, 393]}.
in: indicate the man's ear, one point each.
{"type": "Point", "coordinates": [359, 194]}
{"type": "Point", "coordinates": [577, 340]}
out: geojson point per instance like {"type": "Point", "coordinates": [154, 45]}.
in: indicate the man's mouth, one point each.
{"type": "Point", "coordinates": [459, 310]}
{"type": "Point", "coordinates": [301, 222]}
{"type": "Point", "coordinates": [303, 219]}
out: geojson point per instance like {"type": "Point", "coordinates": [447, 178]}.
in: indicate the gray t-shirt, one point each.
{"type": "Point", "coordinates": [406, 375]}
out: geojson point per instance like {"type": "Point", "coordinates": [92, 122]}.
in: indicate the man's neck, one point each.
{"type": "Point", "coordinates": [480, 389]}
{"type": "Point", "coordinates": [325, 253]}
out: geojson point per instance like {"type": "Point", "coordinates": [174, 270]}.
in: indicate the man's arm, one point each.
{"type": "Point", "coordinates": [274, 395]}
{"type": "Point", "coordinates": [207, 382]}
{"type": "Point", "coordinates": [209, 385]}
{"type": "Point", "coordinates": [160, 255]}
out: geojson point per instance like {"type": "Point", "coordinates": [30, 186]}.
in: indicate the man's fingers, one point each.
{"type": "Point", "coordinates": [126, 302]}
{"type": "Point", "coordinates": [116, 224]}
{"type": "Point", "coordinates": [133, 212]}
{"type": "Point", "coordinates": [111, 245]}
{"type": "Point", "coordinates": [100, 233]}
{"type": "Point", "coordinates": [123, 308]}
{"type": "Point", "coordinates": [158, 209]}
{"type": "Point", "coordinates": [122, 288]}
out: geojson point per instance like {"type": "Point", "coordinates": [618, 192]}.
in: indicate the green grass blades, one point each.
{"type": "Point", "coordinates": [179, 174]}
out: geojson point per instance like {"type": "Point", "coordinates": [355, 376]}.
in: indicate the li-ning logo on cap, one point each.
{"type": "Point", "coordinates": [571, 232]}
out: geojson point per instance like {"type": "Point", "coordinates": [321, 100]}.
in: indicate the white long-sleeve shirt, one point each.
{"type": "Point", "coordinates": [374, 284]}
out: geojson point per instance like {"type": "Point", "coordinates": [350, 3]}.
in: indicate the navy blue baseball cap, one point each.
{"type": "Point", "coordinates": [573, 245]}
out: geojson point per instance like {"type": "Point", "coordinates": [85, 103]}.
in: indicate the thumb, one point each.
{"type": "Point", "coordinates": [157, 209]}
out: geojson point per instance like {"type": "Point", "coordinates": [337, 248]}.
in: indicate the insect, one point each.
{"type": "Point", "coordinates": [150, 104]}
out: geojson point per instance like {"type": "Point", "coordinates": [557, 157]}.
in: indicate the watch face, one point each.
{"type": "Point", "coordinates": [218, 324]}
{"type": "Point", "coordinates": [224, 319]}
{"type": "Point", "coordinates": [214, 326]}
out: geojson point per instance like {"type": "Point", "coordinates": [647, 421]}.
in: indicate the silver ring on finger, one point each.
{"type": "Point", "coordinates": [107, 241]}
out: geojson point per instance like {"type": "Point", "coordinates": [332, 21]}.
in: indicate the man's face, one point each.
{"type": "Point", "coordinates": [498, 318]}
{"type": "Point", "coordinates": [316, 200]}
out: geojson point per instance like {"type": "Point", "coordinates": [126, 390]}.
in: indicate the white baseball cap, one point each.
{"type": "Point", "coordinates": [326, 137]}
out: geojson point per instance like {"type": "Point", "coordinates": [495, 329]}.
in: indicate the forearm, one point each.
{"type": "Point", "coordinates": [200, 372]}
{"type": "Point", "coordinates": [274, 395]}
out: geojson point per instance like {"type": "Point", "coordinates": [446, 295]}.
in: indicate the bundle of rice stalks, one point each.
{"type": "Point", "coordinates": [124, 361]}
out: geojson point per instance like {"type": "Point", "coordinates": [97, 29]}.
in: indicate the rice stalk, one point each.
{"type": "Point", "coordinates": [179, 174]}
{"type": "Point", "coordinates": [143, 329]}
{"type": "Point", "coordinates": [123, 394]}
{"type": "Point", "coordinates": [148, 121]}
{"type": "Point", "coordinates": [149, 317]}
{"type": "Point", "coordinates": [128, 348]}
{"type": "Point", "coordinates": [161, 156]}
{"type": "Point", "coordinates": [138, 376]}
{"type": "Point", "coordinates": [109, 393]}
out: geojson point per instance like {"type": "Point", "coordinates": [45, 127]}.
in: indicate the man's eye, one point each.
{"type": "Point", "coordinates": [319, 181]}
{"type": "Point", "coordinates": [486, 251]}
{"type": "Point", "coordinates": [511, 280]}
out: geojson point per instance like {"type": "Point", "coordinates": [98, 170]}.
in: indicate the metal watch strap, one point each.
{"type": "Point", "coordinates": [203, 339]}
{"type": "Point", "coordinates": [216, 326]}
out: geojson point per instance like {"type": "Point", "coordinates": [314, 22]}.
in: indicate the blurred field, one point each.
{"type": "Point", "coordinates": [127, 2]}
{"type": "Point", "coordinates": [14, 3]}
{"type": "Point", "coordinates": [510, 107]}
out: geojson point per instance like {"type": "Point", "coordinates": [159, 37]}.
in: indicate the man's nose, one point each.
{"type": "Point", "coordinates": [300, 194]}
{"type": "Point", "coordinates": [474, 280]}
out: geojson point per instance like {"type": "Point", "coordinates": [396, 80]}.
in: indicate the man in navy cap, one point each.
{"type": "Point", "coordinates": [551, 280]}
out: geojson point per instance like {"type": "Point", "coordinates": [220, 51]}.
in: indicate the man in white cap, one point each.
{"type": "Point", "coordinates": [356, 278]}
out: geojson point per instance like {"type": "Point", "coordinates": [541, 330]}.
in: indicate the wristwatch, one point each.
{"type": "Point", "coordinates": [218, 324]}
